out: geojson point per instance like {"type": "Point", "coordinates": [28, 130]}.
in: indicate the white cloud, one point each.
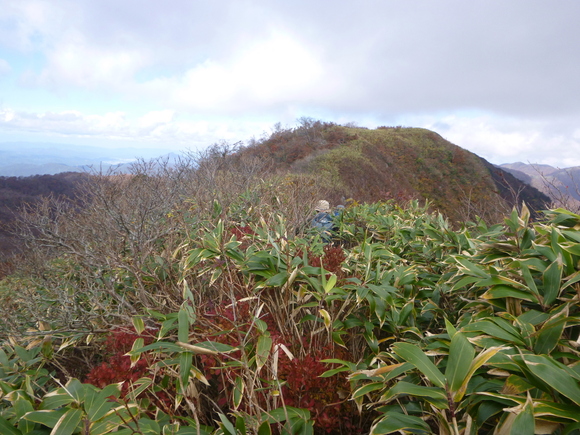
{"type": "Point", "coordinates": [158, 127]}
{"type": "Point", "coordinates": [266, 73]}
{"type": "Point", "coordinates": [505, 140]}
{"type": "Point", "coordinates": [77, 63]}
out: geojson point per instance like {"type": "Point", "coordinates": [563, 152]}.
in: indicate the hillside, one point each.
{"type": "Point", "coordinates": [397, 163]}
{"type": "Point", "coordinates": [15, 192]}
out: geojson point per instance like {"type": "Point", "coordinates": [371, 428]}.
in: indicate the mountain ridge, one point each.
{"type": "Point", "coordinates": [397, 163]}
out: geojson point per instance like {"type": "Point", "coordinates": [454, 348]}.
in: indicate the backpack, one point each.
{"type": "Point", "coordinates": [324, 224]}
{"type": "Point", "coordinates": [323, 220]}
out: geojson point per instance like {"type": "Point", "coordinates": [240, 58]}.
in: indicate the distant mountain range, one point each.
{"type": "Point", "coordinates": [561, 185]}
{"type": "Point", "coordinates": [22, 159]}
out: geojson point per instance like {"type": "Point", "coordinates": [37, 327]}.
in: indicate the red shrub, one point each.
{"type": "Point", "coordinates": [326, 398]}
{"type": "Point", "coordinates": [116, 366]}
{"type": "Point", "coordinates": [332, 260]}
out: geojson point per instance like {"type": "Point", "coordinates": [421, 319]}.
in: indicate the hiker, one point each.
{"type": "Point", "coordinates": [323, 221]}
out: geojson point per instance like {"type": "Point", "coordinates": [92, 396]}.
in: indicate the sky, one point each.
{"type": "Point", "coordinates": [499, 78]}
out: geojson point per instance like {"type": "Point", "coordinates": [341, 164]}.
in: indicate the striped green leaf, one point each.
{"type": "Point", "coordinates": [68, 423]}
{"type": "Point", "coordinates": [415, 356]}
{"type": "Point", "coordinates": [461, 353]}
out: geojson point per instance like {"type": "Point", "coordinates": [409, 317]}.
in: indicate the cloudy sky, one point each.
{"type": "Point", "coordinates": [500, 78]}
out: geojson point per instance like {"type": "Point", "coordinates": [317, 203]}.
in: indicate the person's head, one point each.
{"type": "Point", "coordinates": [322, 206]}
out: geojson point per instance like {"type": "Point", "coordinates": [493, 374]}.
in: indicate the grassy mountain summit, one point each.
{"type": "Point", "coordinates": [397, 163]}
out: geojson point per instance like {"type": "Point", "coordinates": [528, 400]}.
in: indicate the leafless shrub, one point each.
{"type": "Point", "coordinates": [562, 195]}
{"type": "Point", "coordinates": [113, 246]}
{"type": "Point", "coordinates": [472, 206]}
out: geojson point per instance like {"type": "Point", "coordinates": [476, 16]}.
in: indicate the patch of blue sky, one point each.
{"type": "Point", "coordinates": [32, 62]}
{"type": "Point", "coordinates": [40, 100]}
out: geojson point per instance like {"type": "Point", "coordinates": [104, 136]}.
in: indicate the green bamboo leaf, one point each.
{"type": "Point", "coordinates": [477, 362]}
{"type": "Point", "coordinates": [547, 252]}
{"type": "Point", "coordinates": [495, 331]}
{"type": "Point", "coordinates": [415, 356]}
{"type": "Point", "coordinates": [333, 372]}
{"type": "Point", "coordinates": [524, 422]}
{"type": "Point", "coordinates": [552, 278]}
{"type": "Point", "coordinates": [530, 283]}
{"type": "Point", "coordinates": [550, 333]}
{"type": "Point", "coordinates": [227, 425]}
{"type": "Point", "coordinates": [261, 326]}
{"type": "Point", "coordinates": [277, 280]}
{"type": "Point", "coordinates": [279, 415]}
{"type": "Point", "coordinates": [185, 363]}
{"type": "Point", "coordinates": [137, 344]}
{"type": "Point", "coordinates": [405, 312]}
{"type": "Point", "coordinates": [48, 418]}
{"type": "Point", "coordinates": [434, 395]}
{"type": "Point", "coordinates": [466, 280]}
{"type": "Point", "coordinates": [75, 389]}
{"type": "Point", "coordinates": [139, 386]}
{"type": "Point", "coordinates": [555, 377]}
{"type": "Point", "coordinates": [166, 326]}
{"type": "Point", "coordinates": [263, 350]}
{"type": "Point", "coordinates": [398, 422]}
{"type": "Point", "coordinates": [67, 424]}
{"type": "Point", "coordinates": [215, 275]}
{"type": "Point", "coordinates": [102, 403]}
{"type": "Point", "coordinates": [183, 322]}
{"type": "Point", "coordinates": [471, 268]}
{"type": "Point", "coordinates": [450, 328]}
{"type": "Point", "coordinates": [240, 425]}
{"type": "Point", "coordinates": [504, 291]}
{"type": "Point", "coordinates": [7, 428]}
{"type": "Point", "coordinates": [515, 385]}
{"type": "Point", "coordinates": [148, 426]}
{"type": "Point", "coordinates": [368, 388]}
{"type": "Point", "coordinates": [115, 418]}
{"type": "Point", "coordinates": [265, 429]}
{"type": "Point", "coordinates": [238, 392]}
{"type": "Point", "coordinates": [461, 353]}
{"type": "Point", "coordinates": [560, 410]}
{"type": "Point", "coordinates": [499, 280]}
{"type": "Point", "coordinates": [159, 345]}
{"type": "Point", "coordinates": [56, 399]}
{"type": "Point", "coordinates": [89, 396]}
{"type": "Point", "coordinates": [533, 317]}
{"type": "Point", "coordinates": [572, 279]}
{"type": "Point", "coordinates": [138, 324]}
{"type": "Point", "coordinates": [571, 429]}
{"type": "Point", "coordinates": [326, 317]}
{"type": "Point", "coordinates": [21, 406]}
{"type": "Point", "coordinates": [329, 285]}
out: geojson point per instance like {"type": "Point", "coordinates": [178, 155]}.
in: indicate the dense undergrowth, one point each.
{"type": "Point", "coordinates": [156, 314]}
